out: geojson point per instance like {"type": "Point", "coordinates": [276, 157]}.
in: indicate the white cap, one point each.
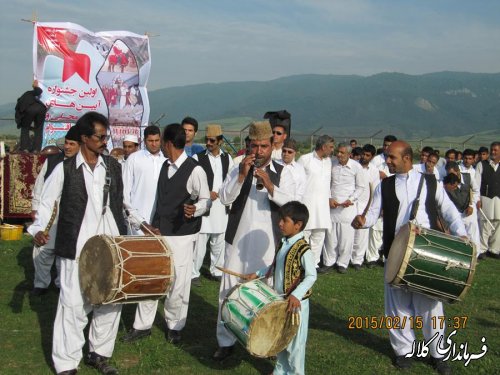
{"type": "Point", "coordinates": [131, 138]}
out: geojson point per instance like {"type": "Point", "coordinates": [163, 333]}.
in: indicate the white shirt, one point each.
{"type": "Point", "coordinates": [406, 192]}
{"type": "Point", "coordinates": [475, 186]}
{"type": "Point", "coordinates": [93, 221]}
{"type": "Point", "coordinates": [276, 154]}
{"type": "Point", "coordinates": [420, 168]}
{"type": "Point", "coordinates": [317, 192]}
{"type": "Point", "coordinates": [196, 185]}
{"type": "Point", "coordinates": [372, 178]}
{"type": "Point", "coordinates": [348, 183]}
{"type": "Point", "coordinates": [299, 176]}
{"type": "Point", "coordinates": [378, 161]}
{"type": "Point", "coordinates": [216, 222]}
{"type": "Point", "coordinates": [140, 181]}
{"type": "Point", "coordinates": [37, 189]}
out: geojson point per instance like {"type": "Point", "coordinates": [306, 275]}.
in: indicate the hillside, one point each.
{"type": "Point", "coordinates": [437, 104]}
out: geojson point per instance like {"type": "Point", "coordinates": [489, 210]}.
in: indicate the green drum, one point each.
{"type": "Point", "coordinates": [256, 315]}
{"type": "Point", "coordinates": [433, 263]}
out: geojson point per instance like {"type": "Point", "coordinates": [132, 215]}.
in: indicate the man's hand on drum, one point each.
{"type": "Point", "coordinates": [293, 304]}
{"type": "Point", "coordinates": [358, 222]}
{"type": "Point", "coordinates": [41, 238]}
{"type": "Point", "coordinates": [149, 230]}
{"type": "Point", "coordinates": [189, 210]}
{"type": "Point", "coordinates": [249, 276]}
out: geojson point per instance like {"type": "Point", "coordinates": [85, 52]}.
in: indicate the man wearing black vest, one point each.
{"type": "Point", "coordinates": [255, 188]}
{"type": "Point", "coordinates": [89, 189]}
{"type": "Point", "coordinates": [181, 199]}
{"type": "Point", "coordinates": [216, 163]}
{"type": "Point", "coordinates": [395, 196]}
{"type": "Point", "coordinates": [43, 256]}
{"type": "Point", "coordinates": [489, 174]}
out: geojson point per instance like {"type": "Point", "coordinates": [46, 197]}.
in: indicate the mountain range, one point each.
{"type": "Point", "coordinates": [428, 105]}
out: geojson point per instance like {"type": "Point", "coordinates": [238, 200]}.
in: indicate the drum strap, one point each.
{"type": "Point", "coordinates": [107, 182]}
{"type": "Point", "coordinates": [416, 202]}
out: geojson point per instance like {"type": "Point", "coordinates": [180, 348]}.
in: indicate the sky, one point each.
{"type": "Point", "coordinates": [201, 41]}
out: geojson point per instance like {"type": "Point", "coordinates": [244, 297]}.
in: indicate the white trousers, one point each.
{"type": "Point", "coordinates": [360, 245]}
{"type": "Point", "coordinates": [177, 300]}
{"type": "Point", "coordinates": [71, 320]}
{"type": "Point", "coordinates": [316, 239]}
{"type": "Point", "coordinates": [216, 243]}
{"type": "Point", "coordinates": [338, 245]}
{"type": "Point", "coordinates": [490, 239]}
{"type": "Point", "coordinates": [403, 303]}
{"type": "Point", "coordinates": [472, 228]}
{"type": "Point", "coordinates": [43, 258]}
{"type": "Point", "coordinates": [374, 244]}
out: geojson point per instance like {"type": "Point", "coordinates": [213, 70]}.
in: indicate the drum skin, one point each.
{"type": "Point", "coordinates": [124, 269]}
{"type": "Point", "coordinates": [436, 264]}
{"type": "Point", "coordinates": [257, 317]}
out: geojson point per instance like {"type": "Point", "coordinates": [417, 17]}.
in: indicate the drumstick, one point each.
{"type": "Point", "coordinates": [485, 218]}
{"type": "Point", "coordinates": [229, 272]}
{"type": "Point", "coordinates": [51, 221]}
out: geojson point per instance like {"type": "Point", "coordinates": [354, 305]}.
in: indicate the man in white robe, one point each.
{"type": "Point", "coordinates": [288, 153]}
{"type": "Point", "coordinates": [252, 233]}
{"type": "Point", "coordinates": [318, 168]}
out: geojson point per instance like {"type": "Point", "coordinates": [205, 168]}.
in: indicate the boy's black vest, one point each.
{"type": "Point", "coordinates": [390, 208]}
{"type": "Point", "coordinates": [490, 180]}
{"type": "Point", "coordinates": [204, 161]}
{"type": "Point", "coordinates": [461, 196]}
{"type": "Point", "coordinates": [74, 202]}
{"type": "Point", "coordinates": [294, 271]}
{"type": "Point", "coordinates": [171, 196]}
{"type": "Point", "coordinates": [239, 204]}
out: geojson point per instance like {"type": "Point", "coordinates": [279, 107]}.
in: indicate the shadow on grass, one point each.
{"type": "Point", "coordinates": [44, 306]}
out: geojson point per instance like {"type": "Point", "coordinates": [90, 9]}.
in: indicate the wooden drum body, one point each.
{"type": "Point", "coordinates": [125, 269]}
{"type": "Point", "coordinates": [256, 315]}
{"type": "Point", "coordinates": [433, 263]}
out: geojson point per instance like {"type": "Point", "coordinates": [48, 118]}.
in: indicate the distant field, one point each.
{"type": "Point", "coordinates": [332, 348]}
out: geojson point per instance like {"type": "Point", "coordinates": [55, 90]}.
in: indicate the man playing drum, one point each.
{"type": "Point", "coordinates": [89, 188]}
{"type": "Point", "coordinates": [395, 196]}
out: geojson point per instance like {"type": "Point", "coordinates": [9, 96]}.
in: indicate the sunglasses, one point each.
{"type": "Point", "coordinates": [211, 140]}
{"type": "Point", "coordinates": [101, 138]}
{"type": "Point", "coordinates": [277, 132]}
{"type": "Point", "coordinates": [287, 151]}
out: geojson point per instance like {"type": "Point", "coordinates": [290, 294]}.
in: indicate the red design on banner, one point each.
{"type": "Point", "coordinates": [56, 40]}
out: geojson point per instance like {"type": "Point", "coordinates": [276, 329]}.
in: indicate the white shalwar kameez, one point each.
{"type": "Point", "coordinates": [140, 180]}
{"type": "Point", "coordinates": [182, 248]}
{"type": "Point", "coordinates": [401, 302]}
{"type": "Point", "coordinates": [253, 245]}
{"type": "Point", "coordinates": [300, 178]}
{"type": "Point", "coordinates": [361, 236]}
{"type": "Point", "coordinates": [316, 198]}
{"type": "Point", "coordinates": [213, 226]}
{"type": "Point", "coordinates": [72, 310]}
{"type": "Point", "coordinates": [291, 361]}
{"type": "Point", "coordinates": [348, 183]}
{"type": "Point", "coordinates": [44, 256]}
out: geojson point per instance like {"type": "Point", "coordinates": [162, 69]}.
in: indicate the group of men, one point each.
{"type": "Point", "coordinates": [198, 198]}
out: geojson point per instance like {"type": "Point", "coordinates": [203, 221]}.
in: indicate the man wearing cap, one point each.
{"type": "Point", "coordinates": [190, 126]}
{"type": "Point", "coordinates": [255, 189]}
{"type": "Point", "coordinates": [43, 256]}
{"type": "Point", "coordinates": [140, 179]}
{"type": "Point", "coordinates": [280, 124]}
{"type": "Point", "coordinates": [318, 168]}
{"type": "Point", "coordinates": [130, 145]}
{"type": "Point", "coordinates": [216, 163]}
{"type": "Point", "coordinates": [288, 153]}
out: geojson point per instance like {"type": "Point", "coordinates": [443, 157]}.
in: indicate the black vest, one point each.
{"type": "Point", "coordinates": [204, 161]}
{"type": "Point", "coordinates": [239, 204]}
{"type": "Point", "coordinates": [390, 208]}
{"type": "Point", "coordinates": [461, 196]}
{"type": "Point", "coordinates": [171, 196]}
{"type": "Point", "coordinates": [52, 161]}
{"type": "Point", "coordinates": [490, 180]}
{"type": "Point", "coordinates": [74, 202]}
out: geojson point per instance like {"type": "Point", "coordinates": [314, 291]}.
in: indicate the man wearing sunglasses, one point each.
{"type": "Point", "coordinates": [288, 153]}
{"type": "Point", "coordinates": [280, 124]}
{"type": "Point", "coordinates": [89, 190]}
{"type": "Point", "coordinates": [216, 163]}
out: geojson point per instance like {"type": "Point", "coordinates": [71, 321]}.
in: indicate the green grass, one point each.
{"type": "Point", "coordinates": [26, 328]}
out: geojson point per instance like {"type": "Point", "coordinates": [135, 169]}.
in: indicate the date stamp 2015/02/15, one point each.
{"type": "Point", "coordinates": [402, 322]}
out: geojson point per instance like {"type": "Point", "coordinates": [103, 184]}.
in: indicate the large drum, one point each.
{"type": "Point", "coordinates": [125, 269]}
{"type": "Point", "coordinates": [257, 316]}
{"type": "Point", "coordinates": [426, 261]}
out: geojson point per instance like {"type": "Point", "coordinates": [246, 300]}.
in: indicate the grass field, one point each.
{"type": "Point", "coordinates": [332, 348]}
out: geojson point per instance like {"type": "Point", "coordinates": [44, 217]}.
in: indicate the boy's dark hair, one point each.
{"type": "Point", "coordinates": [469, 152]}
{"type": "Point", "coordinates": [190, 121]}
{"type": "Point", "coordinates": [151, 130]}
{"type": "Point", "coordinates": [357, 151]}
{"type": "Point", "coordinates": [427, 149]}
{"type": "Point", "coordinates": [175, 133]}
{"type": "Point", "coordinates": [296, 211]}
{"type": "Point", "coordinates": [451, 179]}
